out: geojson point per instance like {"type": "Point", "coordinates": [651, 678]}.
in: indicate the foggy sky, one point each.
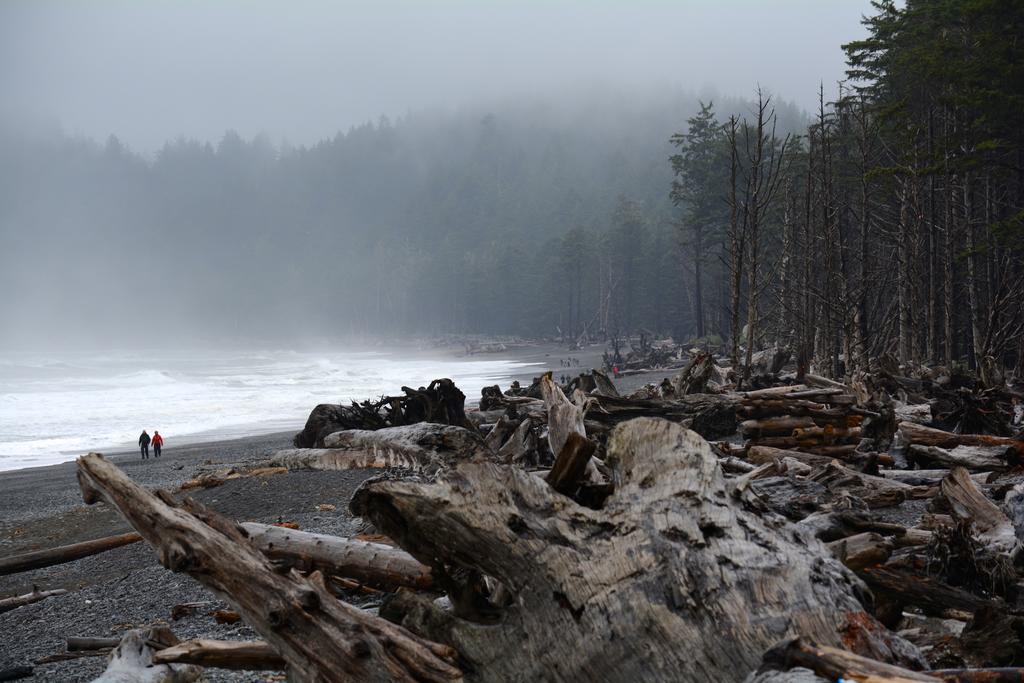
{"type": "Point", "coordinates": [302, 70]}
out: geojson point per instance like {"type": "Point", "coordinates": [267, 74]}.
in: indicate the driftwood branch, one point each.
{"type": "Point", "coordinates": [319, 637]}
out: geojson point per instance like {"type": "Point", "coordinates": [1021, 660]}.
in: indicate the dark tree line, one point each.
{"type": "Point", "coordinates": [531, 220]}
{"type": "Point", "coordinates": [893, 224]}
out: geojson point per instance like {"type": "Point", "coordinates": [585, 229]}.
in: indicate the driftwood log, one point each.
{"type": "Point", "coordinates": [320, 638]}
{"type": "Point", "coordinates": [372, 563]}
{"type": "Point", "coordinates": [65, 553]}
{"type": "Point", "coordinates": [7, 604]}
{"type": "Point", "coordinates": [248, 655]}
{"type": "Point", "coordinates": [424, 447]}
{"type": "Point", "coordinates": [632, 591]}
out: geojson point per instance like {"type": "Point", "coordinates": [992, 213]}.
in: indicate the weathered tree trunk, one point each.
{"type": "Point", "coordinates": [65, 553]}
{"type": "Point", "coordinates": [321, 638]}
{"type": "Point", "coordinates": [592, 603]}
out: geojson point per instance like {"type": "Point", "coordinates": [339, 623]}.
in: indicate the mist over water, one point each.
{"type": "Point", "coordinates": [54, 407]}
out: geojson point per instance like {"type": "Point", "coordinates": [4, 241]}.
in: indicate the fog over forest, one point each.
{"type": "Point", "coordinates": [303, 171]}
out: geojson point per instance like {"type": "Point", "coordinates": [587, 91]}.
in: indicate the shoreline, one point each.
{"type": "Point", "coordinates": [42, 507]}
{"type": "Point", "coordinates": [536, 357]}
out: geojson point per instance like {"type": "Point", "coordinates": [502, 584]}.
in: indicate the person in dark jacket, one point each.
{"type": "Point", "coordinates": [144, 444]}
{"type": "Point", "coordinates": [158, 443]}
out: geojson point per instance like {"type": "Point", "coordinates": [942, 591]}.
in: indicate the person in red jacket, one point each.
{"type": "Point", "coordinates": [158, 443]}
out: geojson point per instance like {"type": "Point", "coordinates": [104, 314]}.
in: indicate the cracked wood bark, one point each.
{"type": "Point", "coordinates": [246, 655]}
{"type": "Point", "coordinates": [426, 447]}
{"type": "Point", "coordinates": [372, 563]}
{"type": "Point", "coordinates": [65, 553]}
{"type": "Point", "coordinates": [321, 638]}
{"type": "Point", "coordinates": [641, 589]}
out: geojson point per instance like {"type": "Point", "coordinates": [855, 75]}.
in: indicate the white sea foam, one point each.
{"type": "Point", "coordinates": [53, 409]}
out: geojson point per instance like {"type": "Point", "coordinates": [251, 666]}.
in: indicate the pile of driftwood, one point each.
{"type": "Point", "coordinates": [580, 535]}
{"type": "Point", "coordinates": [806, 418]}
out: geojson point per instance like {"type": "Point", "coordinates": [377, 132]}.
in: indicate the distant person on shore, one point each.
{"type": "Point", "coordinates": [144, 444]}
{"type": "Point", "coordinates": [158, 443]}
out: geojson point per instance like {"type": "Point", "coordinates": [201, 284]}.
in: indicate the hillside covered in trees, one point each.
{"type": "Point", "coordinates": [472, 221]}
{"type": "Point", "coordinates": [888, 221]}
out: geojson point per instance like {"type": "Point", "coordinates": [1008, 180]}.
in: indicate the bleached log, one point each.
{"type": "Point", "coordinates": [564, 417]}
{"type": "Point", "coordinates": [7, 604]}
{"type": "Point", "coordinates": [372, 563]}
{"type": "Point", "coordinates": [246, 655]}
{"type": "Point", "coordinates": [423, 447]}
{"type": "Point", "coordinates": [978, 458]}
{"type": "Point", "coordinates": [591, 589]}
{"type": "Point", "coordinates": [968, 502]}
{"type": "Point", "coordinates": [65, 553]}
{"type": "Point", "coordinates": [321, 638]}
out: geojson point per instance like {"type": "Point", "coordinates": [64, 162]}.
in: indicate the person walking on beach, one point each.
{"type": "Point", "coordinates": [158, 442]}
{"type": "Point", "coordinates": [144, 444]}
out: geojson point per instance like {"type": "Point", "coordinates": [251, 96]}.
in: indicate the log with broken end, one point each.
{"type": "Point", "coordinates": [320, 638]}
{"type": "Point", "coordinates": [65, 553]}
{"type": "Point", "coordinates": [373, 563]}
{"type": "Point", "coordinates": [969, 503]}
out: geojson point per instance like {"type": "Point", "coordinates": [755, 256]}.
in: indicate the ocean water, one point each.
{"type": "Point", "coordinates": [54, 408]}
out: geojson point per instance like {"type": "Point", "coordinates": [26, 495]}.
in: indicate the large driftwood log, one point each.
{"type": "Point", "coordinates": [319, 637]}
{"type": "Point", "coordinates": [7, 604]}
{"type": "Point", "coordinates": [372, 563]}
{"type": "Point", "coordinates": [424, 447]}
{"type": "Point", "coordinates": [247, 655]}
{"type": "Point", "coordinates": [65, 553]}
{"type": "Point", "coordinates": [633, 591]}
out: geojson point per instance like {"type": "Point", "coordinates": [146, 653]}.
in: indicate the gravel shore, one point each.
{"type": "Point", "coordinates": [127, 588]}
